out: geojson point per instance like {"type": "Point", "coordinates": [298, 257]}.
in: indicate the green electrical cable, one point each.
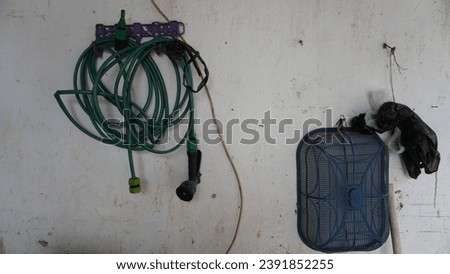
{"type": "Point", "coordinates": [152, 125]}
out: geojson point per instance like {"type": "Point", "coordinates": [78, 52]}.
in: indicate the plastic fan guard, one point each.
{"type": "Point", "coordinates": [342, 190]}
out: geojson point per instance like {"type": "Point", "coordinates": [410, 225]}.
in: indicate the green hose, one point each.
{"type": "Point", "coordinates": [142, 128]}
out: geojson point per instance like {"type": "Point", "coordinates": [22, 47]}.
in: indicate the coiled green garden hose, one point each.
{"type": "Point", "coordinates": [143, 126]}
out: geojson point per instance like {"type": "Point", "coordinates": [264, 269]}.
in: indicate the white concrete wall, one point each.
{"type": "Point", "coordinates": [62, 192]}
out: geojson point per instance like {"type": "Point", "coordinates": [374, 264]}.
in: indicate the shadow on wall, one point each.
{"type": "Point", "coordinates": [2, 248]}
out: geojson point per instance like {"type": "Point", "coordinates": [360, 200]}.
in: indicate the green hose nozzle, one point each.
{"type": "Point", "coordinates": [120, 38]}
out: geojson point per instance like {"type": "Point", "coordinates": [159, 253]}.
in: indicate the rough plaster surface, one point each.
{"type": "Point", "coordinates": [62, 192]}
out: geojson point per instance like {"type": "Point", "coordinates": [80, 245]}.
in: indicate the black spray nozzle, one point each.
{"type": "Point", "coordinates": [188, 188]}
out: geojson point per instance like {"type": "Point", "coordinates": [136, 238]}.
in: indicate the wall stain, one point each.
{"type": "Point", "coordinates": [220, 228]}
{"type": "Point", "coordinates": [2, 247]}
{"type": "Point", "coordinates": [43, 243]}
{"type": "Point", "coordinates": [42, 16]}
{"type": "Point", "coordinates": [435, 188]}
{"type": "Point", "coordinates": [16, 14]}
{"type": "Point", "coordinates": [447, 13]}
{"type": "Point", "coordinates": [398, 199]}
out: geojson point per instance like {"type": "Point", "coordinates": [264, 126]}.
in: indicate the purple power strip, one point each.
{"type": "Point", "coordinates": [137, 31]}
